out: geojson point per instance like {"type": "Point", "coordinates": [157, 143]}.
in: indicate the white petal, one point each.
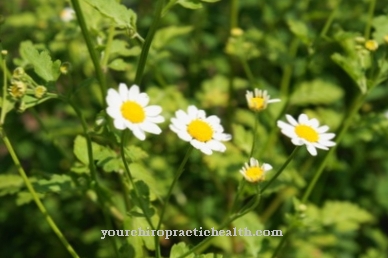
{"type": "Point", "coordinates": [216, 145]}
{"type": "Point", "coordinates": [150, 127]}
{"type": "Point", "coordinates": [303, 119]}
{"type": "Point", "coordinates": [320, 146]}
{"type": "Point", "coordinates": [184, 136]}
{"type": "Point", "coordinates": [266, 167]}
{"type": "Point", "coordinates": [311, 149]}
{"type": "Point", "coordinates": [156, 119]}
{"type": "Point", "coordinates": [138, 133]}
{"type": "Point", "coordinates": [291, 120]}
{"type": "Point", "coordinates": [133, 92]}
{"type": "Point", "coordinates": [113, 98]}
{"type": "Point", "coordinates": [201, 114]}
{"type": "Point", "coordinates": [192, 112]}
{"type": "Point", "coordinates": [327, 143]}
{"type": "Point", "coordinates": [273, 100]}
{"type": "Point", "coordinates": [197, 144]}
{"type": "Point", "coordinates": [213, 120]}
{"type": "Point", "coordinates": [182, 116]}
{"type": "Point", "coordinates": [326, 136]}
{"type": "Point", "coordinates": [114, 112]}
{"type": "Point", "coordinates": [313, 123]}
{"type": "Point", "coordinates": [119, 124]}
{"type": "Point", "coordinates": [297, 141]}
{"type": "Point", "coordinates": [323, 129]}
{"type": "Point", "coordinates": [143, 99]}
{"type": "Point", "coordinates": [123, 91]}
{"type": "Point", "coordinates": [153, 110]}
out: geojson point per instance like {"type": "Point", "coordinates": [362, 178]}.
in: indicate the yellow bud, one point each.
{"type": "Point", "coordinates": [371, 45]}
{"type": "Point", "coordinates": [386, 39]}
{"type": "Point", "coordinates": [18, 72]}
{"type": "Point", "coordinates": [40, 91]}
{"type": "Point", "coordinates": [236, 32]}
{"type": "Point", "coordinates": [65, 68]}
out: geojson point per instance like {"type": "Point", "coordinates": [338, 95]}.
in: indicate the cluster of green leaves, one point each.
{"type": "Point", "coordinates": [196, 59]}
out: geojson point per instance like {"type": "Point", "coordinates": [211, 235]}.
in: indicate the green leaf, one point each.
{"type": "Point", "coordinates": [179, 249]}
{"type": "Point", "coordinates": [26, 197]}
{"type": "Point", "coordinates": [316, 92]}
{"type": "Point", "coordinates": [163, 36]}
{"type": "Point", "coordinates": [31, 101]}
{"type": "Point", "coordinates": [190, 4]}
{"type": "Point", "coordinates": [80, 150]}
{"type": "Point", "coordinates": [118, 65]}
{"type": "Point", "coordinates": [119, 13]}
{"type": "Point", "coordinates": [300, 30]}
{"type": "Point", "coordinates": [43, 66]}
{"type": "Point", "coordinates": [381, 28]}
{"type": "Point", "coordinates": [10, 184]}
{"type": "Point", "coordinates": [345, 216]}
{"type": "Point", "coordinates": [135, 153]}
{"type": "Point", "coordinates": [120, 47]}
{"type": "Point", "coordinates": [353, 69]}
{"type": "Point", "coordinates": [142, 200]}
{"type": "Point", "coordinates": [140, 172]}
{"type": "Point", "coordinates": [57, 183]}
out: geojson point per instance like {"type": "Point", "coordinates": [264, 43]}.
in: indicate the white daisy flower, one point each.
{"type": "Point", "coordinates": [128, 108]}
{"type": "Point", "coordinates": [307, 132]}
{"type": "Point", "coordinates": [259, 99]}
{"type": "Point", "coordinates": [253, 172]}
{"type": "Point", "coordinates": [204, 133]}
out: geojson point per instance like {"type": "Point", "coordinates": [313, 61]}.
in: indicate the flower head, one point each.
{"type": "Point", "coordinates": [67, 14]}
{"type": "Point", "coordinates": [253, 172]}
{"type": "Point", "coordinates": [128, 108]}
{"type": "Point", "coordinates": [259, 99]}
{"type": "Point", "coordinates": [204, 133]}
{"type": "Point", "coordinates": [17, 89]}
{"type": "Point", "coordinates": [371, 45]}
{"type": "Point", "coordinates": [40, 91]}
{"type": "Point", "coordinates": [307, 132]}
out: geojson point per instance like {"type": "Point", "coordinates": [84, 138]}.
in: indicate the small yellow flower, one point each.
{"type": "Point", "coordinates": [386, 39]}
{"type": "Point", "coordinates": [253, 172]}
{"type": "Point", "coordinates": [371, 45]}
{"type": "Point", "coordinates": [67, 14]}
{"type": "Point", "coordinates": [17, 89]}
{"type": "Point", "coordinates": [40, 91]}
{"type": "Point", "coordinates": [18, 72]}
{"type": "Point", "coordinates": [259, 99]}
{"type": "Point", "coordinates": [236, 32]}
{"type": "Point", "coordinates": [65, 68]}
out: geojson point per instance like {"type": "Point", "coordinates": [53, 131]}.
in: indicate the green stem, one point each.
{"type": "Point", "coordinates": [175, 180]}
{"type": "Point", "coordinates": [137, 195]}
{"type": "Point", "coordinates": [281, 169]}
{"type": "Point", "coordinates": [37, 201]}
{"type": "Point", "coordinates": [282, 242]}
{"type": "Point", "coordinates": [234, 14]}
{"type": "Point", "coordinates": [248, 72]}
{"type": "Point", "coordinates": [358, 101]}
{"type": "Point", "coordinates": [5, 86]}
{"type": "Point", "coordinates": [91, 48]}
{"type": "Point", "coordinates": [254, 138]}
{"type": "Point", "coordinates": [287, 70]}
{"type": "Point", "coordinates": [227, 222]}
{"type": "Point", "coordinates": [370, 18]}
{"type": "Point", "coordinates": [93, 172]}
{"type": "Point", "coordinates": [330, 20]}
{"type": "Point", "coordinates": [147, 44]}
{"type": "Point", "coordinates": [108, 47]}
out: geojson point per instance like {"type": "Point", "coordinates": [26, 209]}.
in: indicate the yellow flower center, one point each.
{"type": "Point", "coordinates": [132, 112]}
{"type": "Point", "coordinates": [257, 103]}
{"type": "Point", "coordinates": [200, 130]}
{"type": "Point", "coordinates": [254, 174]}
{"type": "Point", "coordinates": [307, 133]}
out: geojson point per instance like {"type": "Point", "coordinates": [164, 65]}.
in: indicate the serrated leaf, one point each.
{"type": "Point", "coordinates": [42, 63]}
{"type": "Point", "coordinates": [345, 216]}
{"type": "Point", "coordinates": [26, 197]}
{"type": "Point", "coordinates": [119, 13]}
{"type": "Point", "coordinates": [381, 29]}
{"type": "Point", "coordinates": [316, 92]}
{"type": "Point", "coordinates": [120, 47]}
{"type": "Point", "coordinates": [56, 183]}
{"type": "Point", "coordinates": [163, 36]}
{"type": "Point", "coordinates": [135, 153]}
{"type": "Point", "coordinates": [179, 249]}
{"type": "Point", "coordinates": [142, 199]}
{"type": "Point", "coordinates": [140, 172]}
{"type": "Point", "coordinates": [353, 69]}
{"type": "Point", "coordinates": [10, 184]}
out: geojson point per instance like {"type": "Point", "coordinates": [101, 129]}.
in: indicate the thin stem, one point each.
{"type": "Point", "coordinates": [330, 20]}
{"type": "Point", "coordinates": [358, 101]}
{"type": "Point", "coordinates": [147, 44]}
{"type": "Point", "coordinates": [227, 222]}
{"type": "Point", "coordinates": [248, 72]}
{"type": "Point", "coordinates": [37, 201]}
{"type": "Point", "coordinates": [169, 193]}
{"type": "Point", "coordinates": [93, 172]}
{"type": "Point", "coordinates": [234, 14]}
{"type": "Point", "coordinates": [282, 242]}
{"type": "Point", "coordinates": [254, 136]}
{"type": "Point", "coordinates": [370, 18]}
{"type": "Point", "coordinates": [5, 86]}
{"type": "Point", "coordinates": [90, 45]}
{"type": "Point", "coordinates": [287, 70]}
{"type": "Point", "coordinates": [137, 195]}
{"type": "Point", "coordinates": [108, 47]}
{"type": "Point", "coordinates": [281, 169]}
